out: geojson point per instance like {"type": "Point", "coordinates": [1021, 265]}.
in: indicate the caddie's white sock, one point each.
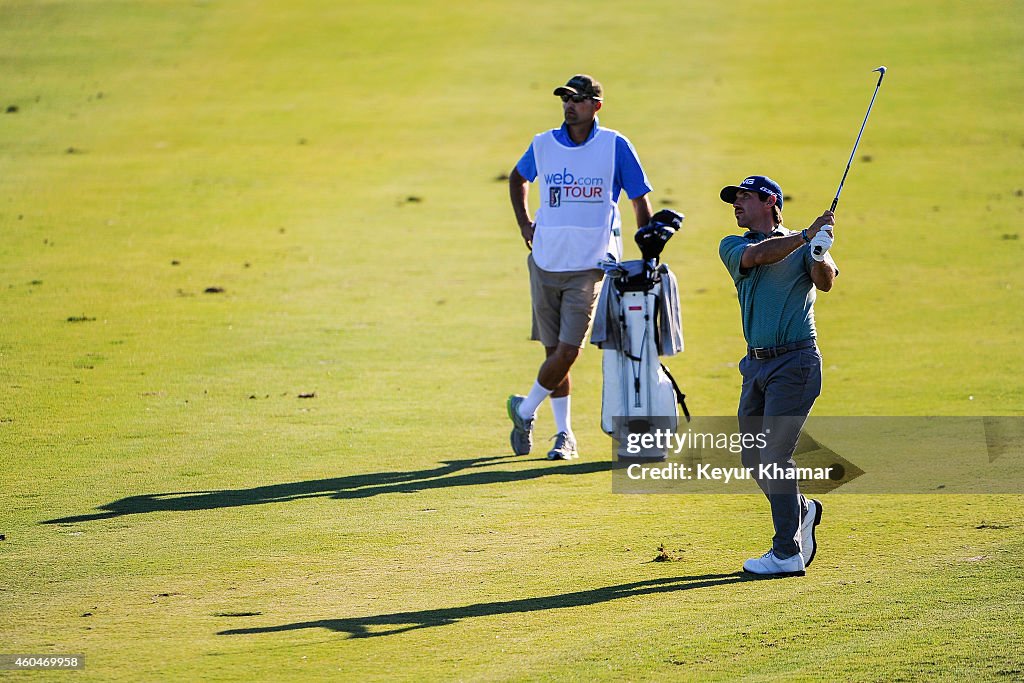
{"type": "Point", "coordinates": [561, 409]}
{"type": "Point", "coordinates": [528, 408]}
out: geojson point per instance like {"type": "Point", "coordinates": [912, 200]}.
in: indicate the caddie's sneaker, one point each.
{"type": "Point", "coordinates": [811, 519]}
{"type": "Point", "coordinates": [521, 437]}
{"type": "Point", "coordinates": [564, 448]}
{"type": "Point", "coordinates": [770, 565]}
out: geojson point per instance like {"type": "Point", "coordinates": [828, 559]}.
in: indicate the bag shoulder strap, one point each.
{"type": "Point", "coordinates": [680, 396]}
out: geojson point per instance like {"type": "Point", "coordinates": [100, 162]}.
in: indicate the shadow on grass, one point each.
{"type": "Point", "coordinates": [400, 622]}
{"type": "Point", "coordinates": [450, 473]}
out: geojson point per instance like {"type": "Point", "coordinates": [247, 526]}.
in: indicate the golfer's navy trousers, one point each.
{"type": "Point", "coordinates": [775, 400]}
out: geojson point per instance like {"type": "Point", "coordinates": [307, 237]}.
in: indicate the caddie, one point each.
{"type": "Point", "coordinates": [776, 272]}
{"type": "Point", "coordinates": [581, 168]}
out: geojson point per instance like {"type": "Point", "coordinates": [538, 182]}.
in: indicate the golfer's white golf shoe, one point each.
{"type": "Point", "coordinates": [811, 519]}
{"type": "Point", "coordinates": [770, 565]}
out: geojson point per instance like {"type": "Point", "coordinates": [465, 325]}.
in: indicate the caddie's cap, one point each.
{"type": "Point", "coordinates": [754, 183]}
{"type": "Point", "coordinates": [581, 84]}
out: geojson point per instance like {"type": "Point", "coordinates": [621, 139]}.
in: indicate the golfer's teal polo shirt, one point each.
{"type": "Point", "coordinates": [776, 301]}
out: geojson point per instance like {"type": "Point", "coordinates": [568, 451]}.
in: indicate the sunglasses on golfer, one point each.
{"type": "Point", "coordinates": [578, 98]}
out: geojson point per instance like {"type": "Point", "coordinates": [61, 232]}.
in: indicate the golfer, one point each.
{"type": "Point", "coordinates": [776, 272]}
{"type": "Point", "coordinates": [581, 169]}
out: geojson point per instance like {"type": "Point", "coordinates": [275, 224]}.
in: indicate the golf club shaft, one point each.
{"type": "Point", "coordinates": [849, 163]}
{"type": "Point", "coordinates": [835, 201]}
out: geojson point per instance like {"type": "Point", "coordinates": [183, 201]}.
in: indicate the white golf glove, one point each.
{"type": "Point", "coordinates": [821, 243]}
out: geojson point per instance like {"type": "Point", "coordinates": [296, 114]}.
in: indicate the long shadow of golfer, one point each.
{"type": "Point", "coordinates": [450, 473]}
{"type": "Point", "coordinates": [360, 627]}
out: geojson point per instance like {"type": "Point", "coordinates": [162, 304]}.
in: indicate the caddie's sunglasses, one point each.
{"type": "Point", "coordinates": [579, 98]}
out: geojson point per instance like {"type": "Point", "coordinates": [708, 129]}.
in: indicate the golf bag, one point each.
{"type": "Point", "coordinates": [638, 320]}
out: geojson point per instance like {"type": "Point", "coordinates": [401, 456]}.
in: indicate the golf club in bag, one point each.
{"type": "Point", "coordinates": [637, 320]}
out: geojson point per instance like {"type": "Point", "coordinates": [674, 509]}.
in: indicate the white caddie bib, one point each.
{"type": "Point", "coordinates": [577, 222]}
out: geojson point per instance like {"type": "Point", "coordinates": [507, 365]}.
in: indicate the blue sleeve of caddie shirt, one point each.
{"type": "Point", "coordinates": [629, 174]}
{"type": "Point", "coordinates": [527, 165]}
{"type": "Point", "coordinates": [730, 250]}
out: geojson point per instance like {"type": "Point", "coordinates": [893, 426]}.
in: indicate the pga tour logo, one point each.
{"type": "Point", "coordinates": [554, 197]}
{"type": "Point", "coordinates": [568, 187]}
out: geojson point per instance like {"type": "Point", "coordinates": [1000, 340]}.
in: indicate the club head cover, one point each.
{"type": "Point", "coordinates": [668, 217]}
{"type": "Point", "coordinates": [652, 237]}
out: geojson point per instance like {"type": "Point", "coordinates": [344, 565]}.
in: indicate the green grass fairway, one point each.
{"type": "Point", "coordinates": [262, 298]}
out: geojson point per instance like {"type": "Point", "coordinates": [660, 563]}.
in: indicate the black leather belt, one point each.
{"type": "Point", "coordinates": [766, 352]}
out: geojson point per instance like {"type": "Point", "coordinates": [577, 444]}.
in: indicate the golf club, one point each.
{"type": "Point", "coordinates": [881, 75]}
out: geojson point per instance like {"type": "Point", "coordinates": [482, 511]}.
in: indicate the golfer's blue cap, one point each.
{"type": "Point", "coordinates": [754, 183]}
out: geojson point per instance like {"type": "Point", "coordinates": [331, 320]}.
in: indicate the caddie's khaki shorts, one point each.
{"type": "Point", "coordinates": [563, 304]}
